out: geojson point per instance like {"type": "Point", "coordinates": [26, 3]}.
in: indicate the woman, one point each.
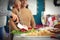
{"type": "Point", "coordinates": [26, 17]}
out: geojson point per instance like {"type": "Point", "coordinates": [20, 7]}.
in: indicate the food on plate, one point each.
{"type": "Point", "coordinates": [32, 34]}
{"type": "Point", "coordinates": [29, 28]}
{"type": "Point", "coordinates": [40, 33]}
{"type": "Point", "coordinates": [23, 30]}
{"type": "Point", "coordinates": [57, 30]}
{"type": "Point", "coordinates": [57, 26]}
{"type": "Point", "coordinates": [44, 33]}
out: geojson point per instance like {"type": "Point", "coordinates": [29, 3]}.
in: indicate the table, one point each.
{"type": "Point", "coordinates": [18, 37]}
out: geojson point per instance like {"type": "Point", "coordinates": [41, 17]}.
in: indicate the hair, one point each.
{"type": "Point", "coordinates": [27, 4]}
{"type": "Point", "coordinates": [14, 5]}
{"type": "Point", "coordinates": [21, 0]}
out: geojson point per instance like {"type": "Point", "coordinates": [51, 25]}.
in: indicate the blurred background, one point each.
{"type": "Point", "coordinates": [40, 7]}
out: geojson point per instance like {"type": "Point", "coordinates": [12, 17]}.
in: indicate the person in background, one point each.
{"type": "Point", "coordinates": [26, 17]}
{"type": "Point", "coordinates": [3, 14]}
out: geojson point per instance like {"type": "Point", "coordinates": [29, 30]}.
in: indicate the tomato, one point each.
{"type": "Point", "coordinates": [29, 28]}
{"type": "Point", "coordinates": [53, 18]}
{"type": "Point", "coordinates": [23, 30]}
{"type": "Point", "coordinates": [36, 28]}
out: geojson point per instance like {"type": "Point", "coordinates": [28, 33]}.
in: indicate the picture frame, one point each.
{"type": "Point", "coordinates": [57, 2]}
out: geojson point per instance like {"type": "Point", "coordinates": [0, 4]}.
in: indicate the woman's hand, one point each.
{"type": "Point", "coordinates": [15, 17]}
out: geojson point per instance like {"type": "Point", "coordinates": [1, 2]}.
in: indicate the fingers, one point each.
{"type": "Point", "coordinates": [13, 16]}
{"type": "Point", "coordinates": [17, 19]}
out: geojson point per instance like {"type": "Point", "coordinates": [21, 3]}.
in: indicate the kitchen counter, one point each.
{"type": "Point", "coordinates": [19, 37]}
{"type": "Point", "coordinates": [42, 32]}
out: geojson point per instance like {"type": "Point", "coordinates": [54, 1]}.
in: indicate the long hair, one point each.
{"type": "Point", "coordinates": [27, 6]}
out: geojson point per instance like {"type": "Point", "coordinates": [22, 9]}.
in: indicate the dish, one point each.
{"type": "Point", "coordinates": [38, 33]}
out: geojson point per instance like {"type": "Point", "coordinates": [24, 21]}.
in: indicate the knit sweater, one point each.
{"type": "Point", "coordinates": [25, 16]}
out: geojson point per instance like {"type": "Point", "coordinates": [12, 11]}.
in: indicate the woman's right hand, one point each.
{"type": "Point", "coordinates": [15, 17]}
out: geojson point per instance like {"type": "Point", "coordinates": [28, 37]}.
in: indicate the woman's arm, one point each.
{"type": "Point", "coordinates": [3, 8]}
{"type": "Point", "coordinates": [13, 25]}
{"type": "Point", "coordinates": [33, 24]}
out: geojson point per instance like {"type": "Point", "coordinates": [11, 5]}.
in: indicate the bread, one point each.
{"type": "Point", "coordinates": [57, 26]}
{"type": "Point", "coordinates": [40, 33]}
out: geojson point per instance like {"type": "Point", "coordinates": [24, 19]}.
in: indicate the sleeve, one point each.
{"type": "Point", "coordinates": [3, 8]}
{"type": "Point", "coordinates": [5, 13]}
{"type": "Point", "coordinates": [33, 24]}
